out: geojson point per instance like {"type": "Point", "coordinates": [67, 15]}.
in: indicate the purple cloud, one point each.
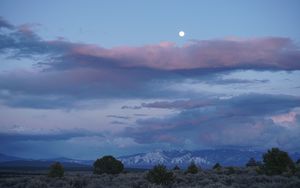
{"type": "Point", "coordinates": [78, 71]}
{"type": "Point", "coordinates": [245, 120]}
{"type": "Point", "coordinates": [260, 53]}
{"type": "Point", "coordinates": [5, 24]}
{"type": "Point", "coordinates": [180, 104]}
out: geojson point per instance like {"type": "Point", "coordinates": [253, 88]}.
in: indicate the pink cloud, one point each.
{"type": "Point", "coordinates": [270, 53]}
{"type": "Point", "coordinates": [231, 53]}
{"type": "Point", "coordinates": [290, 117]}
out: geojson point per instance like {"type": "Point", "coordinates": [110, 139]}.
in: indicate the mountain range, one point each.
{"type": "Point", "coordinates": [182, 158]}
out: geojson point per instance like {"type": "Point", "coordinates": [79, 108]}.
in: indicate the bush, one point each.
{"type": "Point", "coordinates": [109, 165]}
{"type": "Point", "coordinates": [176, 168]}
{"type": "Point", "coordinates": [192, 169]}
{"type": "Point", "coordinates": [56, 170]}
{"type": "Point", "coordinates": [277, 162]}
{"type": "Point", "coordinates": [217, 166]}
{"type": "Point", "coordinates": [251, 162]}
{"type": "Point", "coordinates": [230, 170]}
{"type": "Point", "coordinates": [160, 175]}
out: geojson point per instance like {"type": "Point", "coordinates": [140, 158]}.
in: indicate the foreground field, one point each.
{"type": "Point", "coordinates": [237, 177]}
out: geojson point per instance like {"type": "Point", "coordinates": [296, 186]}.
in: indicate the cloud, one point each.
{"type": "Point", "coordinates": [68, 72]}
{"type": "Point", "coordinates": [260, 103]}
{"type": "Point", "coordinates": [131, 107]}
{"type": "Point", "coordinates": [5, 24]}
{"type": "Point", "coordinates": [179, 104]}
{"type": "Point", "coordinates": [273, 53]}
{"type": "Point", "coordinates": [258, 53]}
{"type": "Point", "coordinates": [282, 118]}
{"type": "Point", "coordinates": [37, 102]}
{"type": "Point", "coordinates": [237, 121]}
{"type": "Point", "coordinates": [118, 117]}
{"type": "Point", "coordinates": [217, 80]}
{"type": "Point", "coordinates": [13, 136]}
{"type": "Point", "coordinates": [65, 73]}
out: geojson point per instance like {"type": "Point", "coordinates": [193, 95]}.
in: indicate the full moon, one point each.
{"type": "Point", "coordinates": [181, 33]}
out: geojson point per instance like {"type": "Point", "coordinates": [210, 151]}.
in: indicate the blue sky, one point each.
{"type": "Point", "coordinates": [133, 22]}
{"type": "Point", "coordinates": [86, 78]}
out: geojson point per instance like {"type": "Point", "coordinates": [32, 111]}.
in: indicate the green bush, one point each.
{"type": "Point", "coordinates": [217, 166]}
{"type": "Point", "coordinates": [176, 168]}
{"type": "Point", "coordinates": [251, 163]}
{"type": "Point", "coordinates": [230, 170]}
{"type": "Point", "coordinates": [109, 165]}
{"type": "Point", "coordinates": [276, 162]}
{"type": "Point", "coordinates": [192, 169]}
{"type": "Point", "coordinates": [56, 170]}
{"type": "Point", "coordinates": [160, 175]}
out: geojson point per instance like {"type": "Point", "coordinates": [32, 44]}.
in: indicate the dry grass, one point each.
{"type": "Point", "coordinates": [237, 177]}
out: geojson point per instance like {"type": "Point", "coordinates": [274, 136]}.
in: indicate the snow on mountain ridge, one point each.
{"type": "Point", "coordinates": [169, 158]}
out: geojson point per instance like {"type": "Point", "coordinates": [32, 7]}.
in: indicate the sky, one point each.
{"type": "Point", "coordinates": [82, 79]}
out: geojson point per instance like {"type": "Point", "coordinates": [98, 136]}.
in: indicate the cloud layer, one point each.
{"type": "Point", "coordinates": [247, 120]}
{"type": "Point", "coordinates": [188, 83]}
{"type": "Point", "coordinates": [86, 71]}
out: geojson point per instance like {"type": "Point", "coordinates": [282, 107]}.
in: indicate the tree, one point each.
{"type": "Point", "coordinates": [298, 161]}
{"type": "Point", "coordinates": [252, 162]}
{"type": "Point", "coordinates": [56, 170]}
{"type": "Point", "coordinates": [276, 162]}
{"type": "Point", "coordinates": [176, 168]}
{"type": "Point", "coordinates": [193, 169]}
{"type": "Point", "coordinates": [217, 166]}
{"type": "Point", "coordinates": [109, 165]}
{"type": "Point", "coordinates": [160, 175]}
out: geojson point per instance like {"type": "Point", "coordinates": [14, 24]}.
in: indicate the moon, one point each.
{"type": "Point", "coordinates": [181, 33]}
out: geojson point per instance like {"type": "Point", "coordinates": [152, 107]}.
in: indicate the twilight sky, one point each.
{"type": "Point", "coordinates": [82, 79]}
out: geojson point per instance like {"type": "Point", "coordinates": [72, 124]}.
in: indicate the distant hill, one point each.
{"type": "Point", "coordinates": [68, 160]}
{"type": "Point", "coordinates": [4, 158]}
{"type": "Point", "coordinates": [12, 162]}
{"type": "Point", "coordinates": [37, 163]}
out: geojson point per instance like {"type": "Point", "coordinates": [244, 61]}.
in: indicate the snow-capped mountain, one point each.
{"type": "Point", "coordinates": [182, 158]}
{"type": "Point", "coordinates": [203, 158]}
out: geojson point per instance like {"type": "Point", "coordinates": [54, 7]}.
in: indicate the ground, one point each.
{"type": "Point", "coordinates": [231, 177]}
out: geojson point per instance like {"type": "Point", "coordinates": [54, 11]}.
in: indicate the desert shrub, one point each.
{"type": "Point", "coordinates": [297, 171]}
{"type": "Point", "coordinates": [230, 170]}
{"type": "Point", "coordinates": [176, 168]}
{"type": "Point", "coordinates": [192, 168]}
{"type": "Point", "coordinates": [56, 170]}
{"type": "Point", "coordinates": [277, 162]}
{"type": "Point", "coordinates": [36, 183]}
{"type": "Point", "coordinates": [109, 165]}
{"type": "Point", "coordinates": [251, 162]}
{"type": "Point", "coordinates": [59, 183]}
{"type": "Point", "coordinates": [160, 175]}
{"type": "Point", "coordinates": [78, 182]}
{"type": "Point", "coordinates": [217, 166]}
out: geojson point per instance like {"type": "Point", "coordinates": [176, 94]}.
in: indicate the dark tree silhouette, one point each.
{"type": "Point", "coordinates": [109, 165]}
{"type": "Point", "coordinates": [160, 175]}
{"type": "Point", "coordinates": [56, 170]}
{"type": "Point", "coordinates": [252, 162]}
{"type": "Point", "coordinates": [217, 166]}
{"type": "Point", "coordinates": [276, 162]}
{"type": "Point", "coordinates": [192, 169]}
{"type": "Point", "coordinates": [176, 168]}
